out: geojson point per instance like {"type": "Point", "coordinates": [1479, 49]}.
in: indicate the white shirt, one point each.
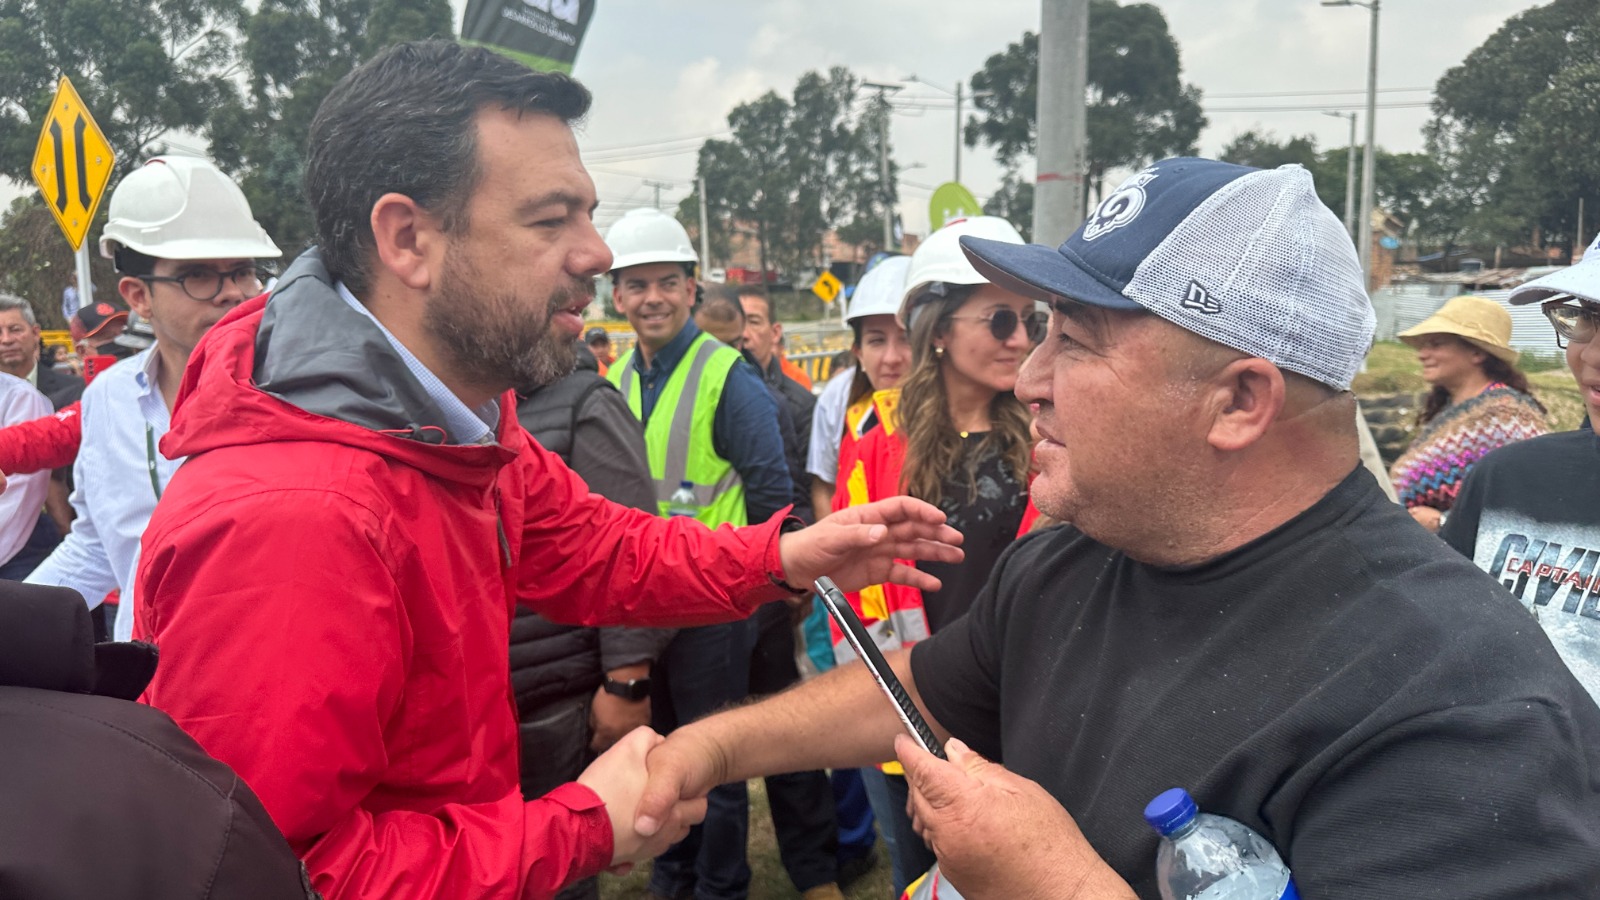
{"type": "Point", "coordinates": [827, 427]}
{"type": "Point", "coordinates": [124, 420]}
{"type": "Point", "coordinates": [24, 494]}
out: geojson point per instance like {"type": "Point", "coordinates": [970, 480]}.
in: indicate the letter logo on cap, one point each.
{"type": "Point", "coordinates": [1200, 300]}
{"type": "Point", "coordinates": [1122, 207]}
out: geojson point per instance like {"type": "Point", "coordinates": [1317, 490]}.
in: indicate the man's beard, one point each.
{"type": "Point", "coordinates": [501, 340]}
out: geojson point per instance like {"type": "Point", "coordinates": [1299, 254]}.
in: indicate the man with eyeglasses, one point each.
{"type": "Point", "coordinates": [1529, 513]}
{"type": "Point", "coordinates": [184, 243]}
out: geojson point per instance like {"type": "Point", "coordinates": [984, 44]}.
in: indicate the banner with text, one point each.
{"type": "Point", "coordinates": [544, 34]}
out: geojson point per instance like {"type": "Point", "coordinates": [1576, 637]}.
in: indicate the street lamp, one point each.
{"type": "Point", "coordinates": [957, 93]}
{"type": "Point", "coordinates": [1349, 175]}
{"type": "Point", "coordinates": [1365, 241]}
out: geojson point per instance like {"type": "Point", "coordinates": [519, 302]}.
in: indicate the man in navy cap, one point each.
{"type": "Point", "coordinates": [1233, 606]}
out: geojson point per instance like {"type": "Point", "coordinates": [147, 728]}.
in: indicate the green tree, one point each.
{"type": "Point", "coordinates": [1013, 201]}
{"type": "Point", "coordinates": [1513, 130]}
{"type": "Point", "coordinates": [1138, 108]}
{"type": "Point", "coordinates": [144, 68]}
{"type": "Point", "coordinates": [35, 260]}
{"type": "Point", "coordinates": [293, 52]}
{"type": "Point", "coordinates": [794, 169]}
{"type": "Point", "coordinates": [1257, 148]}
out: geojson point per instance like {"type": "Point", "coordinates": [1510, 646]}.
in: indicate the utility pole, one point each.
{"type": "Point", "coordinates": [1058, 193]}
{"type": "Point", "coordinates": [658, 185]}
{"type": "Point", "coordinates": [1368, 165]}
{"type": "Point", "coordinates": [957, 179]}
{"type": "Point", "coordinates": [883, 157]}
{"type": "Point", "coordinates": [1349, 175]}
{"type": "Point", "coordinates": [1369, 161]}
{"type": "Point", "coordinates": [705, 226]}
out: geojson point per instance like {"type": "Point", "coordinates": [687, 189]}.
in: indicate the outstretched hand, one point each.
{"type": "Point", "coordinates": [860, 545]}
{"type": "Point", "coordinates": [997, 834]}
{"type": "Point", "coordinates": [619, 777]}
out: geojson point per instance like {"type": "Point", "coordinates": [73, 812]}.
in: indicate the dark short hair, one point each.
{"type": "Point", "coordinates": [759, 293]}
{"type": "Point", "coordinates": [128, 261]}
{"type": "Point", "coordinates": [721, 304]}
{"type": "Point", "coordinates": [403, 122]}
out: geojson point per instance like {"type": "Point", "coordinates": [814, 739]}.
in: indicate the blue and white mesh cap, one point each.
{"type": "Point", "coordinates": [1249, 258]}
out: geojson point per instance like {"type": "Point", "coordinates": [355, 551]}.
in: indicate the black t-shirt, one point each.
{"type": "Point", "coordinates": [1345, 685]}
{"type": "Point", "coordinates": [1529, 515]}
{"type": "Point", "coordinates": [988, 523]}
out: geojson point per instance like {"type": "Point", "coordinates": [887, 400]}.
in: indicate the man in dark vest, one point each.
{"type": "Point", "coordinates": [580, 689]}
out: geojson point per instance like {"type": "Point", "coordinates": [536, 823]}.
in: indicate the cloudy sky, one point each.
{"type": "Point", "coordinates": [665, 73]}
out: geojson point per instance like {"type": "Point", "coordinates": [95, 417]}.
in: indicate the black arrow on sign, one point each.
{"type": "Point", "coordinates": [83, 172]}
{"type": "Point", "coordinates": [61, 172]}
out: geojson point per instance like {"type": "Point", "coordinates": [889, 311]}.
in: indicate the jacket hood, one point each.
{"type": "Point", "coordinates": [301, 365]}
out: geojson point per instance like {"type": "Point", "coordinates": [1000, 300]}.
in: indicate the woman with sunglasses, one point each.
{"type": "Point", "coordinates": [957, 437]}
{"type": "Point", "coordinates": [1480, 401]}
{"type": "Point", "coordinates": [1529, 514]}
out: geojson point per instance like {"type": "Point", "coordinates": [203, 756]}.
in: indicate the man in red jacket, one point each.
{"type": "Point", "coordinates": [331, 574]}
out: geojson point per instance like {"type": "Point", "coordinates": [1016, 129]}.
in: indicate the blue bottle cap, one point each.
{"type": "Point", "coordinates": [1170, 810]}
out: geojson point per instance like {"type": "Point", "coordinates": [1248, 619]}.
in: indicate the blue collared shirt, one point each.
{"type": "Point", "coordinates": [465, 424]}
{"type": "Point", "coordinates": [744, 431]}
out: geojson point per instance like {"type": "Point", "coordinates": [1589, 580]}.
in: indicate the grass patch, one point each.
{"type": "Point", "coordinates": [768, 880]}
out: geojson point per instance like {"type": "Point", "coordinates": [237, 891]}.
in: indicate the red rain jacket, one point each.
{"type": "Point", "coordinates": [39, 444]}
{"type": "Point", "coordinates": [333, 604]}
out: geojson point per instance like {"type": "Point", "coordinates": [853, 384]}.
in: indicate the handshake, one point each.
{"type": "Point", "coordinates": [646, 808]}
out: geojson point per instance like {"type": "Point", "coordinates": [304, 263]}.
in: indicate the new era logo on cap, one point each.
{"type": "Point", "coordinates": [1200, 300]}
{"type": "Point", "coordinates": [1249, 258]}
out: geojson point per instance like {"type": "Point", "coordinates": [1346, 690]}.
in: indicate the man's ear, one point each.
{"type": "Point", "coordinates": [136, 294]}
{"type": "Point", "coordinates": [1247, 395]}
{"type": "Point", "coordinates": [408, 240]}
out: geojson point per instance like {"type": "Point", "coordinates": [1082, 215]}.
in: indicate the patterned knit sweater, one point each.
{"type": "Point", "coordinates": [1431, 470]}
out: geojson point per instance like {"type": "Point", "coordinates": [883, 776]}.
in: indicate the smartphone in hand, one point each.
{"type": "Point", "coordinates": [867, 650]}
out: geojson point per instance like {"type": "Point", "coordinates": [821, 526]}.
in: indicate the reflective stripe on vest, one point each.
{"type": "Point", "coordinates": [678, 436]}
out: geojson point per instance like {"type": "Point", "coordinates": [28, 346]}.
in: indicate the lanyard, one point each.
{"type": "Point", "coordinates": [150, 458]}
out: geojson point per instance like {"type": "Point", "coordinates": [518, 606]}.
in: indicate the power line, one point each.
{"type": "Point", "coordinates": [1251, 96]}
{"type": "Point", "coordinates": [655, 154]}
{"type": "Point", "coordinates": [1318, 108]}
{"type": "Point", "coordinates": [691, 137]}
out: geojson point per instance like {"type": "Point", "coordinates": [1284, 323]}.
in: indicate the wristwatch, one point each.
{"type": "Point", "coordinates": [635, 690]}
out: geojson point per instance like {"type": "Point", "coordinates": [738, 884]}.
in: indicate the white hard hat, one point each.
{"type": "Point", "coordinates": [648, 235]}
{"type": "Point", "coordinates": [183, 207]}
{"type": "Point", "coordinates": [879, 291]}
{"type": "Point", "coordinates": [939, 259]}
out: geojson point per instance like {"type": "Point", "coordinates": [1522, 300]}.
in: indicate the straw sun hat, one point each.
{"type": "Point", "coordinates": [1483, 323]}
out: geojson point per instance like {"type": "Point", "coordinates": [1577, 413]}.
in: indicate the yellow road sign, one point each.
{"type": "Point", "coordinates": [827, 287]}
{"type": "Point", "coordinates": [72, 163]}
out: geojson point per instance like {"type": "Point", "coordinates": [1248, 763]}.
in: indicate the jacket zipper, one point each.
{"type": "Point", "coordinates": [500, 527]}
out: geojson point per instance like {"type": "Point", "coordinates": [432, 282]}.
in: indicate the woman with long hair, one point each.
{"type": "Point", "coordinates": [845, 409]}
{"type": "Point", "coordinates": [1479, 401]}
{"type": "Point", "coordinates": [957, 437]}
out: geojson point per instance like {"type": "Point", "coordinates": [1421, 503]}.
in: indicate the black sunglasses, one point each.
{"type": "Point", "coordinates": [1003, 323]}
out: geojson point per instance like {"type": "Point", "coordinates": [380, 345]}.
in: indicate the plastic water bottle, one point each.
{"type": "Point", "coordinates": [1206, 857]}
{"type": "Point", "coordinates": [682, 501]}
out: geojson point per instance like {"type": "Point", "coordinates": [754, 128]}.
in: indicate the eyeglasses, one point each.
{"type": "Point", "coordinates": [205, 284]}
{"type": "Point", "coordinates": [1573, 323]}
{"type": "Point", "coordinates": [1003, 323]}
